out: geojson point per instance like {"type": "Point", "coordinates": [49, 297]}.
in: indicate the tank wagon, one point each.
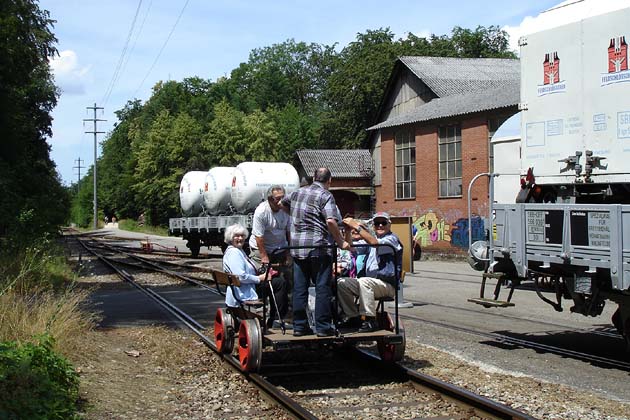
{"type": "Point", "coordinates": [211, 201]}
{"type": "Point", "coordinates": [569, 230]}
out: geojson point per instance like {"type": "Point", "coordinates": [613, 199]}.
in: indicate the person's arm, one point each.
{"type": "Point", "coordinates": [235, 263]}
{"type": "Point", "coordinates": [365, 234]}
{"type": "Point", "coordinates": [260, 244]}
{"type": "Point", "coordinates": [336, 234]}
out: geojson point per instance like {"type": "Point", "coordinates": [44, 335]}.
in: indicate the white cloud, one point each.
{"type": "Point", "coordinates": [69, 75]}
{"type": "Point", "coordinates": [566, 12]}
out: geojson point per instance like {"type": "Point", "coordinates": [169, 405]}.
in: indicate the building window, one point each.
{"type": "Point", "coordinates": [450, 157]}
{"type": "Point", "coordinates": [405, 164]}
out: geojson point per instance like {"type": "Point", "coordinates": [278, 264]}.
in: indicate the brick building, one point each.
{"type": "Point", "coordinates": [351, 177]}
{"type": "Point", "coordinates": [433, 136]}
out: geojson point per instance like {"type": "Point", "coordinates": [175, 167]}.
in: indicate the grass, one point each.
{"type": "Point", "coordinates": [132, 225]}
{"type": "Point", "coordinates": [37, 296]}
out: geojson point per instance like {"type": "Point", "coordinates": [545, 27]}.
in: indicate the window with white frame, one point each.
{"type": "Point", "coordinates": [405, 164]}
{"type": "Point", "coordinates": [450, 160]}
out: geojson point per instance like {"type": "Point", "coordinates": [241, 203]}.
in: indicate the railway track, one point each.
{"type": "Point", "coordinates": [367, 383]}
{"type": "Point", "coordinates": [518, 342]}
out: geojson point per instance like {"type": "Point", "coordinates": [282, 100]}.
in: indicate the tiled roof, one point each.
{"type": "Point", "coordinates": [447, 76]}
{"type": "Point", "coordinates": [451, 106]}
{"type": "Point", "coordinates": [355, 163]}
{"type": "Point", "coordinates": [463, 86]}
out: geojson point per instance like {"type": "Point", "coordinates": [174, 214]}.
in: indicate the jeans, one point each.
{"type": "Point", "coordinates": [319, 271]}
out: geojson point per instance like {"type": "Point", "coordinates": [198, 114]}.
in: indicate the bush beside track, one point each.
{"type": "Point", "coordinates": [41, 327]}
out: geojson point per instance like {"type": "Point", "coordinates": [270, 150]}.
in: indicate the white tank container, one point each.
{"type": "Point", "coordinates": [217, 190]}
{"type": "Point", "coordinates": [191, 193]}
{"type": "Point", "coordinates": [252, 179]}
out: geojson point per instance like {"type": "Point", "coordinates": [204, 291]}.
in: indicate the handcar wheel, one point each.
{"type": "Point", "coordinates": [391, 352]}
{"type": "Point", "coordinates": [250, 345]}
{"type": "Point", "coordinates": [224, 331]}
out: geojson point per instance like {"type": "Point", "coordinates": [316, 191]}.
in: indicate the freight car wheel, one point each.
{"type": "Point", "coordinates": [250, 345]}
{"type": "Point", "coordinates": [224, 331]}
{"type": "Point", "coordinates": [391, 352]}
{"type": "Point", "coordinates": [195, 246]}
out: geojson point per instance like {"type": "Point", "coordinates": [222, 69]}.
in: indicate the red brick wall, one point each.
{"type": "Point", "coordinates": [440, 221]}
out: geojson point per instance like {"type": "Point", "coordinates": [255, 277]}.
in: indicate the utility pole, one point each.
{"type": "Point", "coordinates": [95, 132]}
{"type": "Point", "coordinates": [78, 160]}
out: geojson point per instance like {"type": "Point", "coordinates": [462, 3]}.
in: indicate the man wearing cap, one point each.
{"type": "Point", "coordinates": [369, 288]}
{"type": "Point", "coordinates": [314, 222]}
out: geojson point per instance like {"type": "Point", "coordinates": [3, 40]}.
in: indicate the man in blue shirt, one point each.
{"type": "Point", "coordinates": [314, 222]}
{"type": "Point", "coordinates": [371, 287]}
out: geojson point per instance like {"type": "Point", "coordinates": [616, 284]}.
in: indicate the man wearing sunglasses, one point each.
{"type": "Point", "coordinates": [369, 288]}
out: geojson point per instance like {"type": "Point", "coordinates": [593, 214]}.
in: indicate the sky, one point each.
{"type": "Point", "coordinates": [113, 51]}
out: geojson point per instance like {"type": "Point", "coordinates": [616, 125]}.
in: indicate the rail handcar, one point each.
{"type": "Point", "coordinates": [244, 329]}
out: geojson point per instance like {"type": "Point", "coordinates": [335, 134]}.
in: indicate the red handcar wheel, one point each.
{"type": "Point", "coordinates": [224, 331]}
{"type": "Point", "coordinates": [250, 345]}
{"type": "Point", "coordinates": [391, 352]}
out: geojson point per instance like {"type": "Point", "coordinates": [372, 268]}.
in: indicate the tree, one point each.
{"type": "Point", "coordinates": [33, 200]}
{"type": "Point", "coordinates": [171, 148]}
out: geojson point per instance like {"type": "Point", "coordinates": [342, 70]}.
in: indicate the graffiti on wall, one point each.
{"type": "Point", "coordinates": [459, 237]}
{"type": "Point", "coordinates": [431, 229]}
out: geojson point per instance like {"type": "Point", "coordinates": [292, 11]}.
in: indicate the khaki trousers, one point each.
{"type": "Point", "coordinates": [367, 289]}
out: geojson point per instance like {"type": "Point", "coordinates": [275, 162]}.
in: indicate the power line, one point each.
{"type": "Point", "coordinates": [117, 71]}
{"type": "Point", "coordinates": [162, 49]}
{"type": "Point", "coordinates": [135, 40]}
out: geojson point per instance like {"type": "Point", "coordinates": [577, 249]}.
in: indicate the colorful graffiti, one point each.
{"type": "Point", "coordinates": [432, 228]}
{"type": "Point", "coordinates": [459, 236]}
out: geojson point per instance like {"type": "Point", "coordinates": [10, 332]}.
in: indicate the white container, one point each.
{"type": "Point", "coordinates": [191, 193]}
{"type": "Point", "coordinates": [217, 190]}
{"type": "Point", "coordinates": [251, 181]}
{"type": "Point", "coordinates": [575, 96]}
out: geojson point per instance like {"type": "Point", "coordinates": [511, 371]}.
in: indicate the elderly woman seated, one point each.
{"type": "Point", "coordinates": [235, 261]}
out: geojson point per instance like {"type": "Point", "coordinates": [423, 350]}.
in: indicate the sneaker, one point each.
{"type": "Point", "coordinates": [369, 325]}
{"type": "Point", "coordinates": [326, 333]}
{"type": "Point", "coordinates": [301, 333]}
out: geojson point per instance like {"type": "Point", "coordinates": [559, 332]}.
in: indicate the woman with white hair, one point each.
{"type": "Point", "coordinates": [235, 261]}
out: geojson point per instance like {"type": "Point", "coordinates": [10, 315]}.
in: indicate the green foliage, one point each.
{"type": "Point", "coordinates": [36, 382]}
{"type": "Point", "coordinates": [42, 265]}
{"type": "Point", "coordinates": [33, 200]}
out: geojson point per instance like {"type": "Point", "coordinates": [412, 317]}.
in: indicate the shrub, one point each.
{"type": "Point", "coordinates": [35, 382]}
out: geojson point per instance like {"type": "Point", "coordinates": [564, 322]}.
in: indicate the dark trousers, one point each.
{"type": "Point", "coordinates": [317, 270]}
{"type": "Point", "coordinates": [280, 285]}
{"type": "Point", "coordinates": [280, 291]}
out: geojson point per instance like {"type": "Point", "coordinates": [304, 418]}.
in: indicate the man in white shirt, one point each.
{"type": "Point", "coordinates": [270, 232]}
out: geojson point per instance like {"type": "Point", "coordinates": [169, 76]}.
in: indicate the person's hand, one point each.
{"type": "Point", "coordinates": [263, 277]}
{"type": "Point", "coordinates": [350, 222]}
{"type": "Point", "coordinates": [346, 246]}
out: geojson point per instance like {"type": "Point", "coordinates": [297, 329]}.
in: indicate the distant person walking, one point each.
{"type": "Point", "coordinates": [314, 222]}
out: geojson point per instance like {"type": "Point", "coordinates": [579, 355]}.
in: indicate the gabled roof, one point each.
{"type": "Point", "coordinates": [455, 105]}
{"type": "Point", "coordinates": [462, 86]}
{"type": "Point", "coordinates": [355, 163]}
{"type": "Point", "coordinates": [447, 76]}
